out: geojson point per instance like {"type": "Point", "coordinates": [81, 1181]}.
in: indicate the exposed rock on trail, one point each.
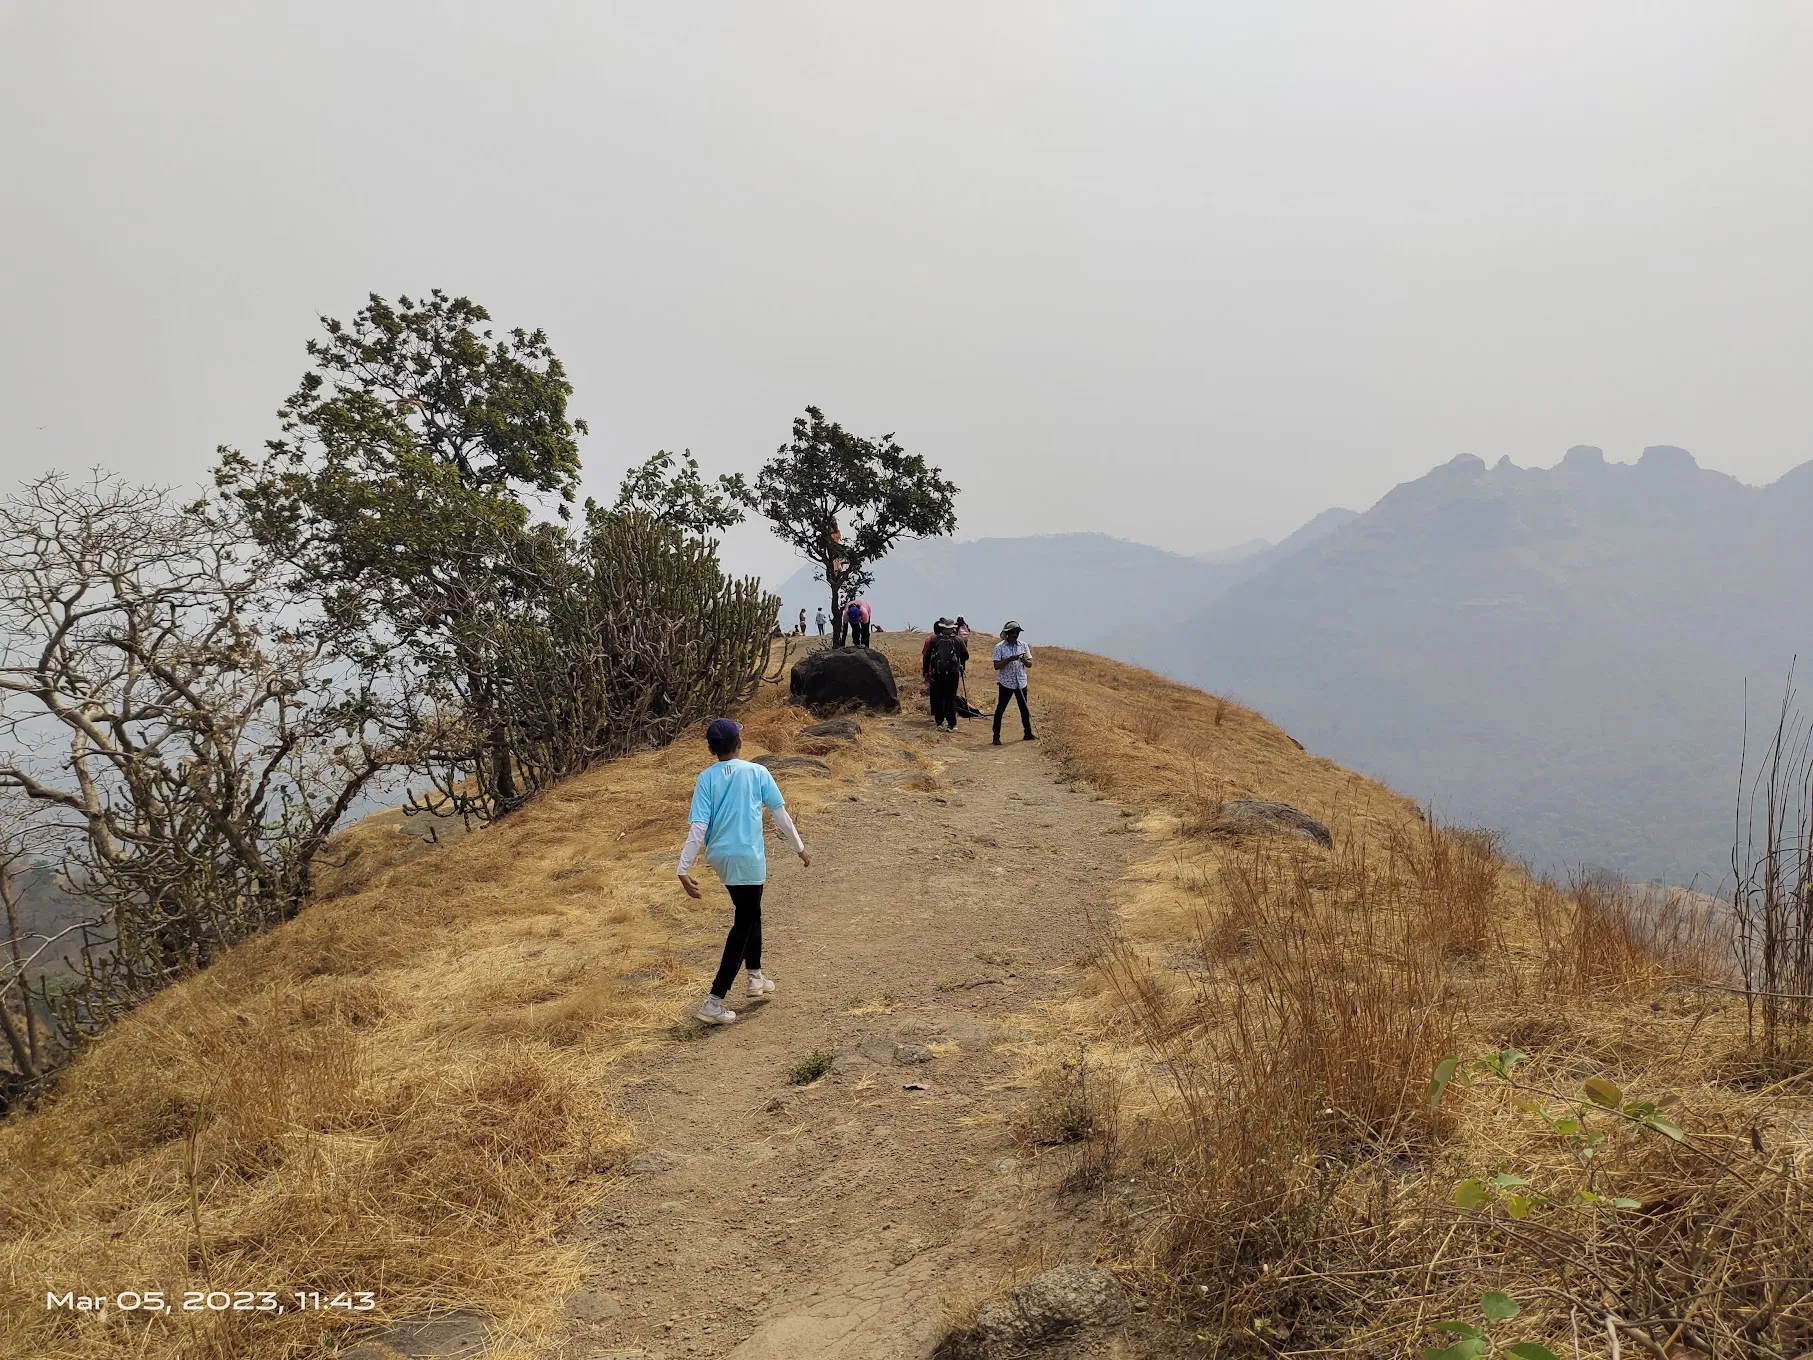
{"type": "Point", "coordinates": [781, 764]}
{"type": "Point", "coordinates": [1046, 1308]}
{"type": "Point", "coordinates": [835, 677]}
{"type": "Point", "coordinates": [836, 727]}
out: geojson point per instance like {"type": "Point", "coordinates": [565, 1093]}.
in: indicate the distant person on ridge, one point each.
{"type": "Point", "coordinates": [823, 619]}
{"type": "Point", "coordinates": [802, 624]}
{"type": "Point", "coordinates": [941, 661]}
{"type": "Point", "coordinates": [1012, 659]}
{"type": "Point", "coordinates": [726, 822]}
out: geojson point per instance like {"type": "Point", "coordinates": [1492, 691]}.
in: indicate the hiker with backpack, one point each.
{"type": "Point", "coordinates": [726, 823]}
{"type": "Point", "coordinates": [941, 661]}
{"type": "Point", "coordinates": [1012, 658]}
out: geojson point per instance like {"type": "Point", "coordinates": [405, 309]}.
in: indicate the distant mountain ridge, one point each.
{"type": "Point", "coordinates": [1080, 589]}
{"type": "Point", "coordinates": [1561, 652]}
{"type": "Point", "coordinates": [1085, 590]}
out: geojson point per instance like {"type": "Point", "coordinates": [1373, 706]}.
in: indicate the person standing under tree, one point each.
{"type": "Point", "coordinates": [857, 616]}
{"type": "Point", "coordinates": [726, 822]}
{"type": "Point", "coordinates": [822, 619]}
{"type": "Point", "coordinates": [1012, 659]}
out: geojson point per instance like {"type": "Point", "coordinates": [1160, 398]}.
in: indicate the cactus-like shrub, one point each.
{"type": "Point", "coordinates": [606, 642]}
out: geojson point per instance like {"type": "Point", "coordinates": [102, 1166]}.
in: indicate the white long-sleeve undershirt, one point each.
{"type": "Point", "coordinates": [695, 837]}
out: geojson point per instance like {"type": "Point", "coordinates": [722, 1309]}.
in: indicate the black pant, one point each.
{"type": "Point", "coordinates": [744, 943]}
{"type": "Point", "coordinates": [1001, 698]}
{"type": "Point", "coordinates": [859, 634]}
{"type": "Point", "coordinates": [943, 689]}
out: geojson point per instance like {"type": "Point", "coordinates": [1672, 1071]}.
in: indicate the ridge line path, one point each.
{"type": "Point", "coordinates": [839, 1219]}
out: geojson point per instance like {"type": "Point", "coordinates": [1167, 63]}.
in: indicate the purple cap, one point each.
{"type": "Point", "coordinates": [723, 730]}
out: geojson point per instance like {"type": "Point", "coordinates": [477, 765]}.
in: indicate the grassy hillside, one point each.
{"type": "Point", "coordinates": [409, 1088]}
{"type": "Point", "coordinates": [406, 1090]}
{"type": "Point", "coordinates": [1268, 1017]}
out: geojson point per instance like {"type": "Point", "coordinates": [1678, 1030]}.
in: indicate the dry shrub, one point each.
{"type": "Point", "coordinates": [1204, 796]}
{"type": "Point", "coordinates": [1604, 937]}
{"type": "Point", "coordinates": [1457, 873]}
{"type": "Point", "coordinates": [1076, 1108]}
{"type": "Point", "coordinates": [1298, 1069]}
{"type": "Point", "coordinates": [1151, 723]}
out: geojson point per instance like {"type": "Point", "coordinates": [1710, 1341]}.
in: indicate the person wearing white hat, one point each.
{"type": "Point", "coordinates": [1012, 658]}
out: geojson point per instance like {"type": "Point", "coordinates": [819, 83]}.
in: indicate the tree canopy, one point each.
{"type": "Point", "coordinates": [671, 491]}
{"type": "Point", "coordinates": [844, 501]}
{"type": "Point", "coordinates": [407, 453]}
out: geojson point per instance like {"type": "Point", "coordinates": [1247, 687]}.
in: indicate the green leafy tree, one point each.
{"type": "Point", "coordinates": [671, 491]}
{"type": "Point", "coordinates": [843, 502]}
{"type": "Point", "coordinates": [401, 484]}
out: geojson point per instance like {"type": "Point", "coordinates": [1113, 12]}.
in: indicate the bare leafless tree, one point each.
{"type": "Point", "coordinates": [165, 707]}
{"type": "Point", "coordinates": [30, 1052]}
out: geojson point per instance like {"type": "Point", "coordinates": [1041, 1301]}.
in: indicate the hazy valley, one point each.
{"type": "Point", "coordinates": [1559, 653]}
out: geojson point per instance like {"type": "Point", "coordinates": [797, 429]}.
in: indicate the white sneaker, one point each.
{"type": "Point", "coordinates": [759, 985]}
{"type": "Point", "coordinates": [713, 1012]}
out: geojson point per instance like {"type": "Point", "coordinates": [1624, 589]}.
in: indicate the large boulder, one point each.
{"type": "Point", "coordinates": [1246, 817]}
{"type": "Point", "coordinates": [1044, 1309]}
{"type": "Point", "coordinates": [845, 677]}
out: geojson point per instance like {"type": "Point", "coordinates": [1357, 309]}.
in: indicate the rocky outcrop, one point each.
{"type": "Point", "coordinates": [1046, 1308]}
{"type": "Point", "coordinates": [1245, 817]}
{"type": "Point", "coordinates": [842, 728]}
{"type": "Point", "coordinates": [806, 764]}
{"type": "Point", "coordinates": [844, 677]}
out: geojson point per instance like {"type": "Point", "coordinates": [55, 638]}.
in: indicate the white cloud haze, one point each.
{"type": "Point", "coordinates": [1187, 273]}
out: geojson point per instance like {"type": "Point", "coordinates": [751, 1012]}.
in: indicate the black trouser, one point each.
{"type": "Point", "coordinates": [744, 943]}
{"type": "Point", "coordinates": [859, 633]}
{"type": "Point", "coordinates": [1001, 698]}
{"type": "Point", "coordinates": [943, 689]}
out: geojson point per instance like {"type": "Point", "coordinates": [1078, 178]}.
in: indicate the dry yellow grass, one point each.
{"type": "Point", "coordinates": [1276, 1010]}
{"type": "Point", "coordinates": [406, 1090]}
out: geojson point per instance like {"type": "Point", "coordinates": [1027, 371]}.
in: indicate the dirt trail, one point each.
{"type": "Point", "coordinates": [767, 1220]}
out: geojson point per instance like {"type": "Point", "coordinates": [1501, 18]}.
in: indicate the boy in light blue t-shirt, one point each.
{"type": "Point", "coordinates": [726, 822]}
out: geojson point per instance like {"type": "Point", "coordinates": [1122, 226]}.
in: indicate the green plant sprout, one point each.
{"type": "Point", "coordinates": [1471, 1341]}
{"type": "Point", "coordinates": [1584, 1124]}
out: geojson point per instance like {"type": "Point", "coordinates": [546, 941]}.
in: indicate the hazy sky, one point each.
{"type": "Point", "coordinates": [1186, 273]}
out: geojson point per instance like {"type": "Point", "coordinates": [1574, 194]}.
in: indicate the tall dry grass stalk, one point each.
{"type": "Point", "coordinates": [1772, 864]}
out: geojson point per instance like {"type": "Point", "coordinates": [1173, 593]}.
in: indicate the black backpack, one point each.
{"type": "Point", "coordinates": [947, 655]}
